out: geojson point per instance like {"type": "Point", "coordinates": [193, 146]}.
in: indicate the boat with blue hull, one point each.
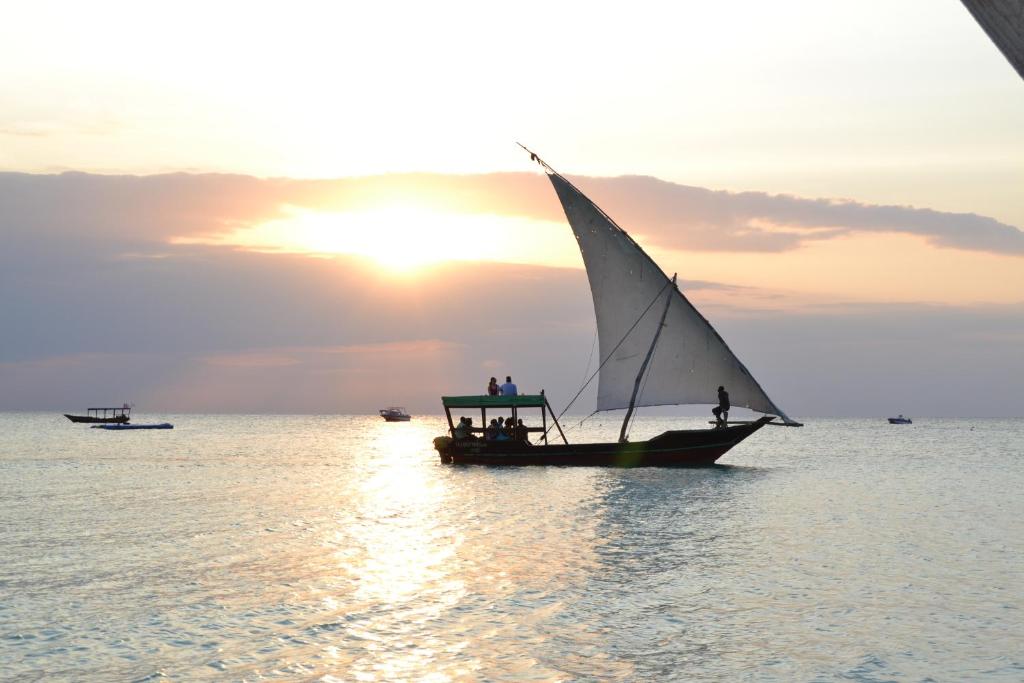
{"type": "Point", "coordinates": [121, 427]}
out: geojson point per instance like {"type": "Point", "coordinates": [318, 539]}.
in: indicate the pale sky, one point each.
{"type": "Point", "coordinates": [895, 102]}
{"type": "Point", "coordinates": [814, 161]}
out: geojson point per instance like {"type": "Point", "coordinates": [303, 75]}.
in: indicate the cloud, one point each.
{"type": "Point", "coordinates": [416, 346]}
{"type": "Point", "coordinates": [135, 212]}
{"type": "Point", "coordinates": [685, 217]}
{"type": "Point", "coordinates": [284, 357]}
{"type": "Point", "coordinates": [249, 359]}
{"type": "Point", "coordinates": [871, 360]}
{"type": "Point", "coordinates": [97, 306]}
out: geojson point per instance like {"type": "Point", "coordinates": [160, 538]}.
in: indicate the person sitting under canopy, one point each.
{"type": "Point", "coordinates": [520, 432]}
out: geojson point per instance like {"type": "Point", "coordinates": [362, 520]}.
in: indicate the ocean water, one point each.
{"type": "Point", "coordinates": [338, 548]}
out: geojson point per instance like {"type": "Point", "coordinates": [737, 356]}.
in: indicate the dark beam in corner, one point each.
{"type": "Point", "coordinates": [1003, 21]}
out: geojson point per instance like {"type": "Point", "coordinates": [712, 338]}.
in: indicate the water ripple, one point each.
{"type": "Point", "coordinates": [339, 549]}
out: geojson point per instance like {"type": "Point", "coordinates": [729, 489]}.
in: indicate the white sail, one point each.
{"type": "Point", "coordinates": [690, 360]}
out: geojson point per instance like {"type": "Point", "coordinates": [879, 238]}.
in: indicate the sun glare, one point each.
{"type": "Point", "coordinates": [399, 238]}
{"type": "Point", "coordinates": [404, 238]}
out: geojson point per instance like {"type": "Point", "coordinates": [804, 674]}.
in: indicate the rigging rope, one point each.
{"type": "Point", "coordinates": [611, 353]}
{"type": "Point", "coordinates": [593, 345]}
{"type": "Point", "coordinates": [643, 387]}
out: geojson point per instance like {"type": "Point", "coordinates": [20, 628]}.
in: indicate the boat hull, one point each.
{"type": "Point", "coordinates": [681, 448]}
{"type": "Point", "coordinates": [121, 419]}
{"type": "Point", "coordinates": [396, 418]}
{"type": "Point", "coordinates": [162, 425]}
{"type": "Point", "coordinates": [900, 421]}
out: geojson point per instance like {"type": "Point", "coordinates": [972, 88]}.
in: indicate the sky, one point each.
{"type": "Point", "coordinates": [318, 207]}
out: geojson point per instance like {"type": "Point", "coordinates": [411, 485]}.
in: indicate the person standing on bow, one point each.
{"type": "Point", "coordinates": [721, 411]}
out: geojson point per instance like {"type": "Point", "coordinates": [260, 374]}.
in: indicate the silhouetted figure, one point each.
{"type": "Point", "coordinates": [721, 411]}
{"type": "Point", "coordinates": [499, 430]}
{"type": "Point", "coordinates": [491, 433]}
{"type": "Point", "coordinates": [461, 430]}
{"type": "Point", "coordinates": [492, 388]}
{"type": "Point", "coordinates": [508, 389]}
{"type": "Point", "coordinates": [520, 432]}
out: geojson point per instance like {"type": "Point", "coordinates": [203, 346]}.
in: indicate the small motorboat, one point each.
{"type": "Point", "coordinates": [395, 414]}
{"type": "Point", "coordinates": [900, 420]}
{"type": "Point", "coordinates": [162, 425]}
{"type": "Point", "coordinates": [104, 415]}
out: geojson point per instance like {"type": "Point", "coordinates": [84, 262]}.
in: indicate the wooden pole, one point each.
{"type": "Point", "coordinates": [556, 422]}
{"type": "Point", "coordinates": [544, 420]}
{"type": "Point", "coordinates": [647, 359]}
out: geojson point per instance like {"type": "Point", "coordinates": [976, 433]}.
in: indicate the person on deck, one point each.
{"type": "Point", "coordinates": [721, 411]}
{"type": "Point", "coordinates": [492, 388]}
{"type": "Point", "coordinates": [491, 433]}
{"type": "Point", "coordinates": [508, 389]}
{"type": "Point", "coordinates": [520, 432]}
{"type": "Point", "coordinates": [460, 431]}
{"type": "Point", "coordinates": [504, 433]}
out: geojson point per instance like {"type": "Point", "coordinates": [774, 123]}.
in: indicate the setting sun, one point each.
{"type": "Point", "coordinates": [400, 238]}
{"type": "Point", "coordinates": [406, 237]}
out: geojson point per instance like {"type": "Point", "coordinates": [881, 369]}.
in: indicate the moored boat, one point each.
{"type": "Point", "coordinates": [900, 420]}
{"type": "Point", "coordinates": [655, 349]}
{"type": "Point", "coordinates": [104, 415]}
{"type": "Point", "coordinates": [395, 414]}
{"type": "Point", "coordinates": [118, 427]}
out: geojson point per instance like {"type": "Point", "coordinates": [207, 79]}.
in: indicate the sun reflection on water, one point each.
{"type": "Point", "coordinates": [403, 573]}
{"type": "Point", "coordinates": [338, 548]}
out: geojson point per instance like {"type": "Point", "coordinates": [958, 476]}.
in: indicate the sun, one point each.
{"type": "Point", "coordinates": [405, 238]}
{"type": "Point", "coordinates": [399, 238]}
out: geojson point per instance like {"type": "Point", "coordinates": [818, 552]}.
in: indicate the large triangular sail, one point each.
{"type": "Point", "coordinates": [690, 360]}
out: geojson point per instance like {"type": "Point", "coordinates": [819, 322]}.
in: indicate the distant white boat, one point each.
{"type": "Point", "coordinates": [395, 414]}
{"type": "Point", "coordinates": [900, 420]}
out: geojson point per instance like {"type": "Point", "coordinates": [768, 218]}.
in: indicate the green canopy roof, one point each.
{"type": "Point", "coordinates": [521, 401]}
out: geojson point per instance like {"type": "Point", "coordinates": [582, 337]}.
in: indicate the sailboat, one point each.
{"type": "Point", "coordinates": [655, 349]}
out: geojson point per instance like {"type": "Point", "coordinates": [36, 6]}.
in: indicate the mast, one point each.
{"type": "Point", "coordinates": [647, 360]}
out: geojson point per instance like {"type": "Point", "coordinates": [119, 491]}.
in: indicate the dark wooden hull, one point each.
{"type": "Point", "coordinates": [682, 448]}
{"type": "Point", "coordinates": [121, 419]}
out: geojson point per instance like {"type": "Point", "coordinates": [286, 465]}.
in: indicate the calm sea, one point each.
{"type": "Point", "coordinates": [338, 548]}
